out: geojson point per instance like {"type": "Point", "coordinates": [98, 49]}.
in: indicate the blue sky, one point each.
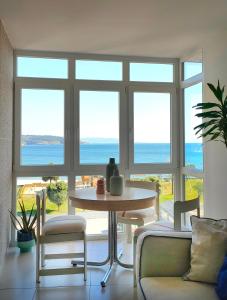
{"type": "Point", "coordinates": [43, 110]}
{"type": "Point", "coordinates": [193, 95]}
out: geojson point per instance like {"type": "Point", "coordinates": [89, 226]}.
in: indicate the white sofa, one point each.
{"type": "Point", "coordinates": [161, 260]}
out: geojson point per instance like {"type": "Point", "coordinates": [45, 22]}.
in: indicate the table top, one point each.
{"type": "Point", "coordinates": [131, 199]}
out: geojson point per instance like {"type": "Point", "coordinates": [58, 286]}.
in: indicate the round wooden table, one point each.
{"type": "Point", "coordinates": [131, 199]}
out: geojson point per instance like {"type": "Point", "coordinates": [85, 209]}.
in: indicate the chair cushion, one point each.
{"type": "Point", "coordinates": [64, 224]}
{"type": "Point", "coordinates": [175, 288]}
{"type": "Point", "coordinates": [138, 214]}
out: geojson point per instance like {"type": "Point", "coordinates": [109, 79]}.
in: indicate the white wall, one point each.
{"type": "Point", "coordinates": [215, 67]}
{"type": "Point", "coordinates": [6, 130]}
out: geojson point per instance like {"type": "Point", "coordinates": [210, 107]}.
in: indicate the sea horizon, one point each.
{"type": "Point", "coordinates": [99, 153]}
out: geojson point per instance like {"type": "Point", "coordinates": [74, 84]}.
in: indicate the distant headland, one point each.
{"type": "Point", "coordinates": [27, 140]}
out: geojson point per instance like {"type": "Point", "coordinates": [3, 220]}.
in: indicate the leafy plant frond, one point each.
{"type": "Point", "coordinates": [214, 136]}
{"type": "Point", "coordinates": [209, 114]}
{"type": "Point", "coordinates": [206, 124]}
{"type": "Point", "coordinates": [15, 220]}
{"type": "Point", "coordinates": [26, 223]}
{"type": "Point", "coordinates": [32, 223]}
{"type": "Point", "coordinates": [31, 212]}
{"type": "Point", "coordinates": [217, 91]}
{"type": "Point", "coordinates": [214, 127]}
{"type": "Point", "coordinates": [206, 105]}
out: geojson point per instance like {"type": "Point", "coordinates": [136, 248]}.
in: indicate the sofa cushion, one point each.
{"type": "Point", "coordinates": [175, 288]}
{"type": "Point", "coordinates": [208, 249]}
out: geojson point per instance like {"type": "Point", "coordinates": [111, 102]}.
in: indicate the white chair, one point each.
{"type": "Point", "coordinates": [55, 230]}
{"type": "Point", "coordinates": [180, 207]}
{"type": "Point", "coordinates": [142, 216]}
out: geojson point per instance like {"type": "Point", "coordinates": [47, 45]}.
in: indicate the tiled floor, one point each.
{"type": "Point", "coordinates": [17, 279]}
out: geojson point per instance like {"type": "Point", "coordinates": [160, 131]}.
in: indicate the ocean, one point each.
{"type": "Point", "coordinates": [99, 154]}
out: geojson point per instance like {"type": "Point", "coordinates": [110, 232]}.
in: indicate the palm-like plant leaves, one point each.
{"type": "Point", "coordinates": [26, 223]}
{"type": "Point", "coordinates": [214, 126]}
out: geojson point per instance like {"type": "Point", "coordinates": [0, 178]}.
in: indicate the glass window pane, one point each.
{"type": "Point", "coordinates": [152, 127]}
{"type": "Point", "coordinates": [151, 72]}
{"type": "Point", "coordinates": [99, 126]}
{"type": "Point", "coordinates": [42, 127]}
{"type": "Point", "coordinates": [42, 67]}
{"type": "Point", "coordinates": [57, 202]}
{"type": "Point", "coordinates": [97, 221]}
{"type": "Point", "coordinates": [166, 197]}
{"type": "Point", "coordinates": [194, 189]}
{"type": "Point", "coordinates": [192, 69]}
{"type": "Point", "coordinates": [193, 144]}
{"type": "Point", "coordinates": [98, 70]}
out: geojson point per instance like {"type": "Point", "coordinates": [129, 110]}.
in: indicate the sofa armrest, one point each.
{"type": "Point", "coordinates": [162, 254]}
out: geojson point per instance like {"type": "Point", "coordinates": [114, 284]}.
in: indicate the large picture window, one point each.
{"type": "Point", "coordinates": [74, 112]}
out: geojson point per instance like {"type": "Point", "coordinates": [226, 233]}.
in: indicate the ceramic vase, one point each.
{"type": "Point", "coordinates": [116, 184]}
{"type": "Point", "coordinates": [109, 172]}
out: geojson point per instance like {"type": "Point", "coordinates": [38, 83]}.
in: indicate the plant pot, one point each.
{"type": "Point", "coordinates": [25, 241]}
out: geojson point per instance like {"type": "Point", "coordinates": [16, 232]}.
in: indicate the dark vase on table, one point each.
{"type": "Point", "coordinates": [109, 172]}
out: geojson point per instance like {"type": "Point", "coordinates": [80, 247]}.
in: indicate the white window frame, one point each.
{"type": "Point", "coordinates": [29, 84]}
{"type": "Point", "coordinates": [147, 167]}
{"type": "Point", "coordinates": [71, 168]}
{"type": "Point", "coordinates": [186, 83]}
{"type": "Point", "coordinates": [105, 87]}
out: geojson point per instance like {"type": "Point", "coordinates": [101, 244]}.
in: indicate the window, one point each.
{"type": "Point", "coordinates": [98, 70]}
{"type": "Point", "coordinates": [193, 144]}
{"type": "Point", "coordinates": [193, 187]}
{"type": "Point", "coordinates": [42, 127]}
{"type": "Point", "coordinates": [191, 69]}
{"type": "Point", "coordinates": [70, 121]}
{"type": "Point", "coordinates": [166, 197]}
{"type": "Point", "coordinates": [152, 127]}
{"type": "Point", "coordinates": [99, 126]}
{"type": "Point", "coordinates": [56, 202]}
{"type": "Point", "coordinates": [149, 72]}
{"type": "Point", "coordinates": [42, 67]}
{"type": "Point", "coordinates": [97, 221]}
{"type": "Point", "coordinates": [192, 172]}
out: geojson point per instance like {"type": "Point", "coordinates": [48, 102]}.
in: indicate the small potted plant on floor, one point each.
{"type": "Point", "coordinates": [24, 224]}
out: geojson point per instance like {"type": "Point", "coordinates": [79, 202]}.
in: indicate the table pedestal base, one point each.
{"type": "Point", "coordinates": [113, 256]}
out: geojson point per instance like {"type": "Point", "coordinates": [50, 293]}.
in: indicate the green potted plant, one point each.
{"type": "Point", "coordinates": [25, 228]}
{"type": "Point", "coordinates": [214, 126]}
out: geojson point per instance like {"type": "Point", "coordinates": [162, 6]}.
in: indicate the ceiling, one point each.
{"type": "Point", "coordinates": [158, 28]}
